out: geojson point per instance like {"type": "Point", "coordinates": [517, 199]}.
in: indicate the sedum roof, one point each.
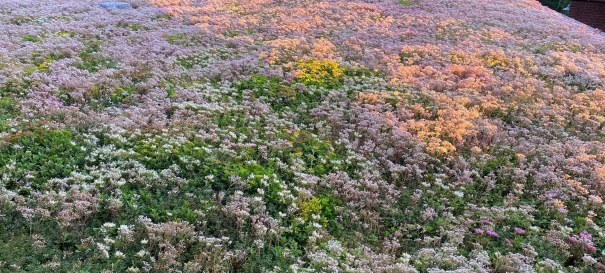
{"type": "Point", "coordinates": [300, 135]}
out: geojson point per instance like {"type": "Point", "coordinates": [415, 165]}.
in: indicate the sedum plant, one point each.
{"type": "Point", "coordinates": [300, 136]}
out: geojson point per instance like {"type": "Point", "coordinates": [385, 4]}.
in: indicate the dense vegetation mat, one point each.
{"type": "Point", "coordinates": [300, 136]}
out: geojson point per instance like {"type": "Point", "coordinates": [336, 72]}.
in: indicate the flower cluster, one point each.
{"type": "Point", "coordinates": [300, 136]}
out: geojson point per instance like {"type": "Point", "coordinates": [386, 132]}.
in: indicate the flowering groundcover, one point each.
{"type": "Point", "coordinates": [300, 136]}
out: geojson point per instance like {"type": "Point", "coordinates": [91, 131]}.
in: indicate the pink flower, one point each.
{"type": "Point", "coordinates": [508, 243]}
{"type": "Point", "coordinates": [562, 210]}
{"type": "Point", "coordinates": [485, 221]}
{"type": "Point", "coordinates": [585, 235]}
{"type": "Point", "coordinates": [519, 231]}
{"type": "Point", "coordinates": [479, 231]}
{"type": "Point", "coordinates": [573, 240]}
{"type": "Point", "coordinates": [601, 266]}
{"type": "Point", "coordinates": [492, 233]}
{"type": "Point", "coordinates": [590, 248]}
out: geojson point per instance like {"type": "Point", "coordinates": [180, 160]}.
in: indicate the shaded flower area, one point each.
{"type": "Point", "coordinates": [300, 136]}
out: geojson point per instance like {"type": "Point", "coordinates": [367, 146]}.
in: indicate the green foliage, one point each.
{"type": "Point", "coordinates": [159, 204]}
{"type": "Point", "coordinates": [136, 27]}
{"type": "Point", "coordinates": [8, 108]}
{"type": "Point", "coordinates": [406, 3]}
{"type": "Point", "coordinates": [285, 96]}
{"type": "Point", "coordinates": [314, 159]}
{"type": "Point", "coordinates": [404, 57]}
{"type": "Point", "coordinates": [14, 88]}
{"type": "Point", "coordinates": [363, 72]}
{"type": "Point", "coordinates": [39, 156]}
{"type": "Point", "coordinates": [123, 95]}
{"type": "Point", "coordinates": [204, 58]}
{"type": "Point", "coordinates": [29, 38]}
{"type": "Point", "coordinates": [176, 39]}
{"type": "Point", "coordinates": [39, 65]}
{"type": "Point", "coordinates": [272, 89]}
{"type": "Point", "coordinates": [321, 210]}
{"type": "Point", "coordinates": [164, 17]}
{"type": "Point", "coordinates": [557, 5]}
{"type": "Point", "coordinates": [179, 39]}
{"type": "Point", "coordinates": [191, 61]}
{"type": "Point", "coordinates": [16, 246]}
{"type": "Point", "coordinates": [495, 62]}
{"type": "Point", "coordinates": [99, 97]}
{"type": "Point", "coordinates": [21, 20]}
{"type": "Point", "coordinates": [159, 155]}
{"type": "Point", "coordinates": [65, 34]}
{"type": "Point", "coordinates": [91, 61]}
{"type": "Point", "coordinates": [317, 154]}
{"type": "Point", "coordinates": [482, 192]}
{"type": "Point", "coordinates": [507, 116]}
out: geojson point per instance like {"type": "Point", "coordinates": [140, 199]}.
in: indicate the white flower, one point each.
{"type": "Point", "coordinates": [108, 241]}
{"type": "Point", "coordinates": [587, 259]}
{"type": "Point", "coordinates": [119, 255]}
{"type": "Point", "coordinates": [459, 194]}
{"type": "Point", "coordinates": [103, 249]}
{"type": "Point", "coordinates": [259, 243]}
{"type": "Point", "coordinates": [141, 253]}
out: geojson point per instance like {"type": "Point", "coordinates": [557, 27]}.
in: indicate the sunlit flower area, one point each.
{"type": "Point", "coordinates": [300, 136]}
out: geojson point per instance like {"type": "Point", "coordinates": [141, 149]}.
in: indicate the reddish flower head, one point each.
{"type": "Point", "coordinates": [585, 235]}
{"type": "Point", "coordinates": [519, 231]}
{"type": "Point", "coordinates": [573, 240]}
{"type": "Point", "coordinates": [590, 248]}
{"type": "Point", "coordinates": [492, 233]}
